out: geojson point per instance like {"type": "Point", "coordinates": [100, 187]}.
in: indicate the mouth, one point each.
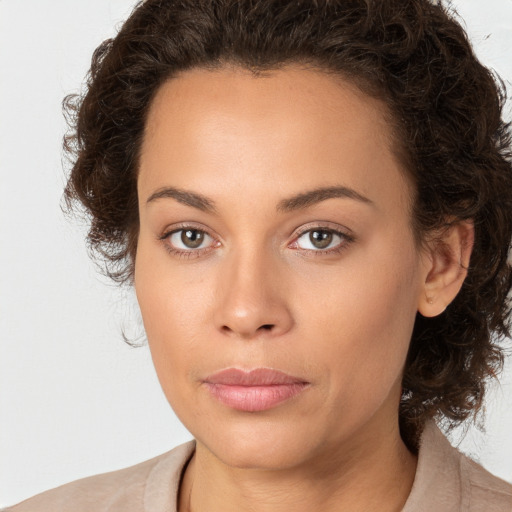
{"type": "Point", "coordinates": [253, 391]}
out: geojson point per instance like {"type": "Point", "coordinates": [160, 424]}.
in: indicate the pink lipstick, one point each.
{"type": "Point", "coordinates": [256, 390]}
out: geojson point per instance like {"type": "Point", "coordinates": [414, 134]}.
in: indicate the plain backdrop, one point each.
{"type": "Point", "coordinates": [76, 400]}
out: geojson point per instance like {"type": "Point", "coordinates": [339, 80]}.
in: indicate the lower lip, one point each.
{"type": "Point", "coordinates": [254, 398]}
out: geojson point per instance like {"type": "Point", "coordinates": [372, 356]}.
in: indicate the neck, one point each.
{"type": "Point", "coordinates": [375, 473]}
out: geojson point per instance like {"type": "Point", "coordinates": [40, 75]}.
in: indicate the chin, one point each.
{"type": "Point", "coordinates": [263, 444]}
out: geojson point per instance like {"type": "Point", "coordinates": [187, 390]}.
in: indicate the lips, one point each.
{"type": "Point", "coordinates": [256, 390]}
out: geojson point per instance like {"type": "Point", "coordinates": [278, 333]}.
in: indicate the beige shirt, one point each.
{"type": "Point", "coordinates": [445, 481]}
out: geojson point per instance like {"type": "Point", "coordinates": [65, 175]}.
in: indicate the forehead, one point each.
{"type": "Point", "coordinates": [297, 127]}
{"type": "Point", "coordinates": [271, 96]}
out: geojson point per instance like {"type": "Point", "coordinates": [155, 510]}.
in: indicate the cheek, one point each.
{"type": "Point", "coordinates": [352, 325]}
{"type": "Point", "coordinates": [174, 309]}
{"type": "Point", "coordinates": [361, 328]}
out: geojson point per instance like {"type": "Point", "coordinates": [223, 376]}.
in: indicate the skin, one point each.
{"type": "Point", "coordinates": [256, 292]}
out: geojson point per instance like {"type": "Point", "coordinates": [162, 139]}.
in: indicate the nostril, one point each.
{"type": "Point", "coordinates": [247, 331]}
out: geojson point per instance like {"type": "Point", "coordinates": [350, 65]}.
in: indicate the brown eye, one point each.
{"type": "Point", "coordinates": [321, 239]}
{"type": "Point", "coordinates": [188, 239]}
{"type": "Point", "coordinates": [192, 238]}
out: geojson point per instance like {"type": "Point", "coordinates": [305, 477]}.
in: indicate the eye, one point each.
{"type": "Point", "coordinates": [320, 239]}
{"type": "Point", "coordinates": [189, 239]}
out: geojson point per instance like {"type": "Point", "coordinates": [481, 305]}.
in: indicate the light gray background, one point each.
{"type": "Point", "coordinates": [74, 398]}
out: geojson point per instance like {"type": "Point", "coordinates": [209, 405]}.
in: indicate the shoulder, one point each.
{"type": "Point", "coordinates": [448, 481]}
{"type": "Point", "coordinates": [484, 491]}
{"type": "Point", "coordinates": [125, 490]}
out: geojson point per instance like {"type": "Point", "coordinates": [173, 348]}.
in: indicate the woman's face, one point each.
{"type": "Point", "coordinates": [275, 234]}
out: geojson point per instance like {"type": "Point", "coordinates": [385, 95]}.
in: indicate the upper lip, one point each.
{"type": "Point", "coordinates": [256, 377]}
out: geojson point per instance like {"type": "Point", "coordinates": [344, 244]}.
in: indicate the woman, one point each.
{"type": "Point", "coordinates": [313, 203]}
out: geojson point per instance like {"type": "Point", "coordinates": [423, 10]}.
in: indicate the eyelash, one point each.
{"type": "Point", "coordinates": [186, 254]}
{"type": "Point", "coordinates": [346, 240]}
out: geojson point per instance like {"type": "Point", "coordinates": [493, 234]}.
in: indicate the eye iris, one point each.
{"type": "Point", "coordinates": [192, 238]}
{"type": "Point", "coordinates": [320, 239]}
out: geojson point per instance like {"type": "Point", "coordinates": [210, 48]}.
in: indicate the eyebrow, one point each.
{"type": "Point", "coordinates": [297, 202]}
{"type": "Point", "coordinates": [311, 197]}
{"type": "Point", "coordinates": [184, 197]}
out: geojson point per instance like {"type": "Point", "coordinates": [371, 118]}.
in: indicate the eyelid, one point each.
{"type": "Point", "coordinates": [346, 235]}
{"type": "Point", "coordinates": [324, 225]}
{"type": "Point", "coordinates": [187, 253]}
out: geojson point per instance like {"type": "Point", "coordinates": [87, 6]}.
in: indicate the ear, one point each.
{"type": "Point", "coordinates": [446, 267]}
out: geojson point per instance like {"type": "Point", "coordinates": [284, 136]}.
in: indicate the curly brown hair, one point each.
{"type": "Point", "coordinates": [447, 118]}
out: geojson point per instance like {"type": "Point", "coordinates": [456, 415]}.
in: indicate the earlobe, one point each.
{"type": "Point", "coordinates": [448, 261]}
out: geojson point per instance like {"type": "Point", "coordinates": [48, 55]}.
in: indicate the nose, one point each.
{"type": "Point", "coordinates": [252, 299]}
